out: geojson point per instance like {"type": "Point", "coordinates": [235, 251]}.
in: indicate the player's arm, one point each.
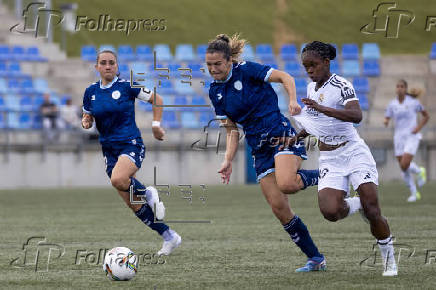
{"type": "Point", "coordinates": [288, 82]}
{"type": "Point", "coordinates": [232, 141]}
{"type": "Point", "coordinates": [87, 120]}
{"type": "Point", "coordinates": [157, 102]}
{"type": "Point", "coordinates": [386, 121]}
{"type": "Point", "coordinates": [424, 120]}
{"type": "Point", "coordinates": [350, 113]}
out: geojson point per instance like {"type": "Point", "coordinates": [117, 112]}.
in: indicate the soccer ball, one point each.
{"type": "Point", "coordinates": [120, 263]}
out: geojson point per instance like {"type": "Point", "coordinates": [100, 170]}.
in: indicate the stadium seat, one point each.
{"type": "Point", "coordinates": [361, 84]}
{"type": "Point", "coordinates": [5, 53]}
{"type": "Point", "coordinates": [144, 52]}
{"type": "Point", "coordinates": [124, 70]}
{"type": "Point", "coordinates": [248, 53]}
{"type": "Point", "coordinates": [18, 53]}
{"type": "Point", "coordinates": [174, 70]}
{"type": "Point", "coordinates": [169, 120]}
{"type": "Point", "coordinates": [433, 51]}
{"type": "Point", "coordinates": [334, 67]}
{"type": "Point", "coordinates": [184, 52]}
{"type": "Point", "coordinates": [2, 120]}
{"type": "Point", "coordinates": [371, 68]}
{"type": "Point", "coordinates": [139, 67]}
{"type": "Point", "coordinates": [163, 52]}
{"type": "Point", "coordinates": [107, 47]}
{"type": "Point", "coordinates": [165, 88]}
{"type": "Point", "coordinates": [301, 85]}
{"type": "Point", "coordinates": [41, 85]}
{"type": "Point", "coordinates": [88, 53]}
{"type": "Point", "coordinates": [37, 102]}
{"type": "Point", "coordinates": [26, 86]}
{"type": "Point", "coordinates": [189, 120]}
{"type": "Point", "coordinates": [265, 53]}
{"type": "Point", "coordinates": [32, 54]}
{"type": "Point", "coordinates": [294, 69]}
{"type": "Point", "coordinates": [196, 68]}
{"type": "Point", "coordinates": [64, 99]}
{"type": "Point", "coordinates": [183, 88]}
{"type": "Point", "coordinates": [283, 103]}
{"type": "Point", "coordinates": [145, 106]}
{"type": "Point", "coordinates": [3, 86]}
{"type": "Point", "coordinates": [350, 68]}
{"type": "Point", "coordinates": [3, 69]}
{"type": "Point", "coordinates": [363, 101]}
{"type": "Point", "coordinates": [350, 51]}
{"type": "Point", "coordinates": [125, 53]}
{"type": "Point", "coordinates": [181, 101]}
{"type": "Point", "coordinates": [199, 101]}
{"type": "Point", "coordinates": [13, 121]}
{"type": "Point", "coordinates": [13, 86]}
{"type": "Point", "coordinates": [14, 69]}
{"type": "Point", "coordinates": [201, 52]}
{"type": "Point", "coordinates": [24, 120]}
{"type": "Point", "coordinates": [2, 104]}
{"type": "Point", "coordinates": [288, 52]}
{"type": "Point", "coordinates": [12, 103]}
{"type": "Point", "coordinates": [272, 64]}
{"type": "Point", "coordinates": [208, 119]}
{"type": "Point", "coordinates": [370, 51]}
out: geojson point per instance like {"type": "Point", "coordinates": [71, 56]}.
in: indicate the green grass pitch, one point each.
{"type": "Point", "coordinates": [244, 246]}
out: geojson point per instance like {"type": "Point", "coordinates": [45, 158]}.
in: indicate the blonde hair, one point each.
{"type": "Point", "coordinates": [415, 92]}
{"type": "Point", "coordinates": [229, 46]}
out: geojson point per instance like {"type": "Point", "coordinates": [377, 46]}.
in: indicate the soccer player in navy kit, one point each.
{"type": "Point", "coordinates": [111, 103]}
{"type": "Point", "coordinates": [241, 93]}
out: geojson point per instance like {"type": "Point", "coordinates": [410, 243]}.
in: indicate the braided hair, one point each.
{"type": "Point", "coordinates": [324, 50]}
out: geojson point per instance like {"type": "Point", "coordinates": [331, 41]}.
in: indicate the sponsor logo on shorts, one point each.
{"type": "Point", "coordinates": [323, 172]}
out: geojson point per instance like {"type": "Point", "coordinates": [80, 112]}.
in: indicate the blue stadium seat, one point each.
{"type": "Point", "coordinates": [145, 106]}
{"type": "Point", "coordinates": [64, 99]}
{"type": "Point", "coordinates": [107, 47]}
{"type": "Point", "coordinates": [350, 68]}
{"type": "Point", "coordinates": [165, 88]}
{"type": "Point", "coordinates": [13, 86]}
{"type": "Point", "coordinates": [433, 51]}
{"type": "Point", "coordinates": [25, 120]}
{"type": "Point", "coordinates": [37, 102]}
{"type": "Point", "coordinates": [18, 53]}
{"type": "Point", "coordinates": [272, 64]}
{"type": "Point", "coordinates": [139, 67]}
{"type": "Point", "coordinates": [196, 68]}
{"type": "Point", "coordinates": [370, 51]}
{"type": "Point", "coordinates": [248, 53]}
{"type": "Point", "coordinates": [181, 101]}
{"type": "Point", "coordinates": [283, 103]}
{"type": "Point", "coordinates": [169, 120]}
{"type": "Point", "coordinates": [201, 52]}
{"type": "Point", "coordinates": [184, 52]}
{"type": "Point", "coordinates": [163, 52]}
{"type": "Point", "coordinates": [334, 67]}
{"type": "Point", "coordinates": [32, 54]}
{"type": "Point", "coordinates": [41, 85]}
{"type": "Point", "coordinates": [371, 68]}
{"type": "Point", "coordinates": [13, 120]}
{"type": "Point", "coordinates": [88, 53]}
{"type": "Point", "coordinates": [5, 53]}
{"type": "Point", "coordinates": [363, 101]}
{"type": "Point", "coordinates": [206, 118]}
{"type": "Point", "coordinates": [3, 69]}
{"type": "Point", "coordinates": [3, 86]}
{"type": "Point", "coordinates": [124, 71]}
{"type": "Point", "coordinates": [265, 53]}
{"type": "Point", "coordinates": [199, 101]}
{"type": "Point", "coordinates": [301, 85]}
{"type": "Point", "coordinates": [361, 84]}
{"type": "Point", "coordinates": [183, 88]}
{"type": "Point", "coordinates": [288, 52]}
{"type": "Point", "coordinates": [189, 120]}
{"type": "Point", "coordinates": [14, 69]}
{"type": "Point", "coordinates": [12, 103]}
{"type": "Point", "coordinates": [26, 86]}
{"type": "Point", "coordinates": [350, 51]}
{"type": "Point", "coordinates": [2, 104]}
{"type": "Point", "coordinates": [174, 70]}
{"type": "Point", "coordinates": [144, 52]}
{"type": "Point", "coordinates": [2, 120]}
{"type": "Point", "coordinates": [125, 53]}
{"type": "Point", "coordinates": [294, 69]}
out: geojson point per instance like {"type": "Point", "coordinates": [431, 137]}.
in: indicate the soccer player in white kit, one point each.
{"type": "Point", "coordinates": [331, 109]}
{"type": "Point", "coordinates": [404, 110]}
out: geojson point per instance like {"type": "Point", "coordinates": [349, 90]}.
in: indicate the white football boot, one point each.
{"type": "Point", "coordinates": [169, 246]}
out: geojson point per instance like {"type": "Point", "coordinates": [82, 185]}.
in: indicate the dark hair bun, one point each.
{"type": "Point", "coordinates": [223, 37]}
{"type": "Point", "coordinates": [332, 51]}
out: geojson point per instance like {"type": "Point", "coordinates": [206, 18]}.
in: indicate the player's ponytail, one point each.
{"type": "Point", "coordinates": [324, 50]}
{"type": "Point", "coordinates": [229, 46]}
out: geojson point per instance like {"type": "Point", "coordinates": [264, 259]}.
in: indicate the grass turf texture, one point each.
{"type": "Point", "coordinates": [243, 248]}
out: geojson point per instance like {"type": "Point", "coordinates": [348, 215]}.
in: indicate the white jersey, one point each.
{"type": "Point", "coordinates": [404, 115]}
{"type": "Point", "coordinates": [336, 92]}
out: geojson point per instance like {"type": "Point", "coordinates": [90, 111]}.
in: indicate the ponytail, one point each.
{"type": "Point", "coordinates": [228, 46]}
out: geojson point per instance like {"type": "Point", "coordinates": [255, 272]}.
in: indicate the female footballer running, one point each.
{"type": "Point", "coordinates": [111, 103]}
{"type": "Point", "coordinates": [241, 93]}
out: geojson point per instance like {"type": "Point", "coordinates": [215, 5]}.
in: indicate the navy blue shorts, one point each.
{"type": "Point", "coordinates": [266, 147]}
{"type": "Point", "coordinates": [133, 149]}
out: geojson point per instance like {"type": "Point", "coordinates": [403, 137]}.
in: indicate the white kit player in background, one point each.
{"type": "Point", "coordinates": [404, 111]}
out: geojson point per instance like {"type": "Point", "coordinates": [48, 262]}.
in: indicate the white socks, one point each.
{"type": "Point", "coordinates": [387, 251]}
{"type": "Point", "coordinates": [410, 181]}
{"type": "Point", "coordinates": [414, 168]}
{"type": "Point", "coordinates": [353, 204]}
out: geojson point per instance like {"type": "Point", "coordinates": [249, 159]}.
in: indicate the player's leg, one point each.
{"type": "Point", "coordinates": [333, 205]}
{"type": "Point", "coordinates": [379, 226]}
{"type": "Point", "coordinates": [290, 178]}
{"type": "Point", "coordinates": [408, 177]}
{"type": "Point", "coordinates": [292, 224]}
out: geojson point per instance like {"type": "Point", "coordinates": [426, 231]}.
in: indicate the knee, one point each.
{"type": "Point", "coordinates": [404, 166]}
{"type": "Point", "coordinates": [372, 213]}
{"type": "Point", "coordinates": [120, 183]}
{"type": "Point", "coordinates": [331, 214]}
{"type": "Point", "coordinates": [288, 187]}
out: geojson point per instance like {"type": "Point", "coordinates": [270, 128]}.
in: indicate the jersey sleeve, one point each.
{"type": "Point", "coordinates": [219, 112]}
{"type": "Point", "coordinates": [348, 94]}
{"type": "Point", "coordinates": [257, 71]}
{"type": "Point", "coordinates": [87, 102]}
{"type": "Point", "coordinates": [389, 113]}
{"type": "Point", "coordinates": [142, 93]}
{"type": "Point", "coordinates": [419, 107]}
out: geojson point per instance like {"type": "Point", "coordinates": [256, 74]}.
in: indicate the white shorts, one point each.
{"type": "Point", "coordinates": [406, 144]}
{"type": "Point", "coordinates": [352, 163]}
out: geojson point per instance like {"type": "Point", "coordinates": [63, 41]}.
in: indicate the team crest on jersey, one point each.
{"type": "Point", "coordinates": [116, 95]}
{"type": "Point", "coordinates": [321, 98]}
{"type": "Point", "coordinates": [238, 85]}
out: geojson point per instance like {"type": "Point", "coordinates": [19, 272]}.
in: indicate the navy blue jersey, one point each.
{"type": "Point", "coordinates": [247, 98]}
{"type": "Point", "coordinates": [113, 108]}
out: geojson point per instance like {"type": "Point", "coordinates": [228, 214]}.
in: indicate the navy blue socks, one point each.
{"type": "Point", "coordinates": [146, 215]}
{"type": "Point", "coordinates": [309, 177]}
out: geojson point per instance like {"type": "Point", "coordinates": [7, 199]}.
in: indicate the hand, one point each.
{"type": "Point", "coordinates": [87, 122]}
{"type": "Point", "coordinates": [415, 131]}
{"type": "Point", "coordinates": [386, 123]}
{"type": "Point", "coordinates": [226, 171]}
{"type": "Point", "coordinates": [158, 133]}
{"type": "Point", "coordinates": [312, 104]}
{"type": "Point", "coordinates": [294, 108]}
